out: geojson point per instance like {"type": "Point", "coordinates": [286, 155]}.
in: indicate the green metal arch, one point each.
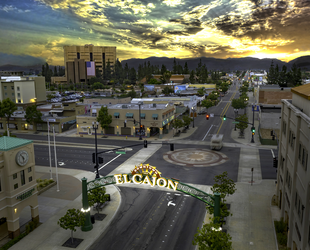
{"type": "Point", "coordinates": [182, 187]}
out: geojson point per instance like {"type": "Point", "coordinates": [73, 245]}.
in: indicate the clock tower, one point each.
{"type": "Point", "coordinates": [18, 187]}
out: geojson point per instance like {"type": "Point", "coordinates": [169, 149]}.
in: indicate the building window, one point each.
{"type": "Point", "coordinates": [22, 177]}
{"type": "Point", "coordinates": [155, 116]}
{"type": "Point", "coordinates": [17, 88]}
{"type": "Point", "coordinates": [5, 94]}
{"type": "Point", "coordinates": [12, 87]}
{"type": "Point", "coordinates": [116, 115]}
{"type": "Point", "coordinates": [29, 169]}
{"type": "Point", "coordinates": [4, 87]}
{"type": "Point", "coordinates": [15, 186]}
{"type": "Point", "coordinates": [78, 55]}
{"type": "Point", "coordinates": [91, 56]}
{"type": "Point", "coordinates": [12, 94]}
{"type": "Point", "coordinates": [19, 101]}
{"type": "Point", "coordinates": [30, 179]}
{"type": "Point", "coordinates": [18, 94]}
{"type": "Point", "coordinates": [14, 176]}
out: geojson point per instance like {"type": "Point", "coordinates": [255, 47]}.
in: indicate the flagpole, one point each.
{"type": "Point", "coordinates": [49, 149]}
{"type": "Point", "coordinates": [56, 160]}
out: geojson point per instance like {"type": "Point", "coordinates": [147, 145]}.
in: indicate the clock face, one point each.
{"type": "Point", "coordinates": [22, 158]}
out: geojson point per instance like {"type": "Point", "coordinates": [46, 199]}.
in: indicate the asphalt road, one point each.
{"type": "Point", "coordinates": [150, 223]}
{"type": "Point", "coordinates": [266, 162]}
{"type": "Point", "coordinates": [216, 125]}
{"type": "Point", "coordinates": [196, 175]}
{"type": "Point", "coordinates": [80, 158]}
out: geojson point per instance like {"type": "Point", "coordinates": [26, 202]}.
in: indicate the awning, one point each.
{"type": "Point", "coordinates": [116, 114]}
{"type": "Point", "coordinates": [129, 115]}
{"type": "Point", "coordinates": [142, 115]}
{"type": "Point", "coordinates": [155, 115]}
{"type": "Point", "coordinates": [57, 110]}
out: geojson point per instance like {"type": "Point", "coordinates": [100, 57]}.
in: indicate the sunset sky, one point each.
{"type": "Point", "coordinates": [35, 31]}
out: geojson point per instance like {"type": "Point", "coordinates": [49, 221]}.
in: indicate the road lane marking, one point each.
{"type": "Point", "coordinates": [207, 133]}
{"type": "Point", "coordinates": [108, 162]}
{"type": "Point", "coordinates": [170, 203]}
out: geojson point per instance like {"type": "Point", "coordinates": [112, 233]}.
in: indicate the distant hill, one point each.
{"type": "Point", "coordinates": [229, 64]}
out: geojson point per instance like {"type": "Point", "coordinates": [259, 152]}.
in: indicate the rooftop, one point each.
{"type": "Point", "coordinates": [303, 91]}
{"type": "Point", "coordinates": [8, 143]}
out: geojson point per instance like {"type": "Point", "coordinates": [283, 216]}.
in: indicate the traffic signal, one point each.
{"type": "Point", "coordinates": [134, 121]}
{"type": "Point", "coordinates": [253, 129]}
{"type": "Point", "coordinates": [207, 116]}
{"type": "Point", "coordinates": [224, 118]}
{"type": "Point", "coordinates": [94, 157]}
{"type": "Point", "coordinates": [273, 137]}
{"type": "Point", "coordinates": [100, 160]}
{"type": "Point", "coordinates": [275, 162]}
{"type": "Point", "coordinates": [141, 126]}
{"type": "Point", "coordinates": [145, 143]}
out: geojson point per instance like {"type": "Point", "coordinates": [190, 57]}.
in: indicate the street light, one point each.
{"type": "Point", "coordinates": [140, 136]}
{"type": "Point", "coordinates": [95, 127]}
{"type": "Point", "coordinates": [236, 112]}
{"type": "Point", "coordinates": [193, 111]}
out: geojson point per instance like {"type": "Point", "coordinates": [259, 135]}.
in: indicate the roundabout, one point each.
{"type": "Point", "coordinates": [195, 157]}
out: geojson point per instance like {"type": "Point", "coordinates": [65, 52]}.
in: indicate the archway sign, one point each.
{"type": "Point", "coordinates": [145, 174]}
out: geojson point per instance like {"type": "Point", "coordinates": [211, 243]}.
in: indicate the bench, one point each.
{"type": "Point", "coordinates": [99, 206]}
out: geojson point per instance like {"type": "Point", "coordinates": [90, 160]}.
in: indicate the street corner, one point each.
{"type": "Point", "coordinates": [195, 157]}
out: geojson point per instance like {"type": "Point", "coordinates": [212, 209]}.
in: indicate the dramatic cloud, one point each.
{"type": "Point", "coordinates": [172, 28]}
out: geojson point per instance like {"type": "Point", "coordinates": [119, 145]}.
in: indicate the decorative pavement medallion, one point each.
{"type": "Point", "coordinates": [195, 157]}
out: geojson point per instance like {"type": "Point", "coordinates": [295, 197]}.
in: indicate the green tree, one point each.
{"type": "Point", "coordinates": [210, 237]}
{"type": "Point", "coordinates": [153, 81]}
{"type": "Point", "coordinates": [97, 196]}
{"type": "Point", "coordinates": [7, 108]}
{"type": "Point", "coordinates": [192, 77]}
{"type": "Point", "coordinates": [186, 120]}
{"type": "Point", "coordinates": [185, 70]}
{"type": "Point", "coordinates": [132, 94]}
{"type": "Point", "coordinates": [33, 115]}
{"type": "Point", "coordinates": [224, 87]}
{"type": "Point", "coordinates": [242, 125]}
{"type": "Point", "coordinates": [177, 123]}
{"type": "Point", "coordinates": [167, 90]}
{"type": "Point", "coordinates": [201, 91]}
{"type": "Point", "coordinates": [223, 185]}
{"type": "Point", "coordinates": [283, 79]}
{"type": "Point", "coordinates": [71, 220]}
{"type": "Point", "coordinates": [238, 103]}
{"type": "Point", "coordinates": [98, 85]}
{"type": "Point", "coordinates": [104, 118]}
{"type": "Point", "coordinates": [207, 103]}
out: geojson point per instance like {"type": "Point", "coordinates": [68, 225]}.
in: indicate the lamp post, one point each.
{"type": "Point", "coordinates": [236, 112]}
{"type": "Point", "coordinates": [193, 111]}
{"type": "Point", "coordinates": [95, 127]}
{"type": "Point", "coordinates": [253, 109]}
{"type": "Point", "coordinates": [140, 136]}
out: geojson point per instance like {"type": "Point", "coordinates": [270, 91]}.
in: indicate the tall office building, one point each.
{"type": "Point", "coordinates": [81, 62]}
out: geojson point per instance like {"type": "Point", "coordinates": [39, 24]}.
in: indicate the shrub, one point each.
{"type": "Point", "coordinates": [280, 226]}
{"type": "Point", "coordinates": [282, 239]}
{"type": "Point", "coordinates": [39, 180]}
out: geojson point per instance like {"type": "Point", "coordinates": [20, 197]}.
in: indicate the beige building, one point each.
{"type": "Point", "coordinates": [23, 90]}
{"type": "Point", "coordinates": [106, 101]}
{"type": "Point", "coordinates": [18, 187]}
{"type": "Point", "coordinates": [81, 62]}
{"type": "Point", "coordinates": [155, 120]}
{"type": "Point", "coordinates": [293, 175]}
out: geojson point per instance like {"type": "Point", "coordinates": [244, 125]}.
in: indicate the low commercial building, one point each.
{"type": "Point", "coordinates": [24, 90]}
{"type": "Point", "coordinates": [293, 172]}
{"type": "Point", "coordinates": [155, 119]}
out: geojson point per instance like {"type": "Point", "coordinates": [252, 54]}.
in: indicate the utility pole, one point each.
{"type": "Point", "coordinates": [95, 127]}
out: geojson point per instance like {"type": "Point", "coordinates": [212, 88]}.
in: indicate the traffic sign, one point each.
{"type": "Point", "coordinates": [235, 122]}
{"type": "Point", "coordinates": [121, 152]}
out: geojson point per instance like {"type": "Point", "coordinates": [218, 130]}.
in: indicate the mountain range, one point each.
{"type": "Point", "coordinates": [229, 64]}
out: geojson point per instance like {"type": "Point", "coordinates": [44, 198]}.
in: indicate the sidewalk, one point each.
{"type": "Point", "coordinates": [251, 225]}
